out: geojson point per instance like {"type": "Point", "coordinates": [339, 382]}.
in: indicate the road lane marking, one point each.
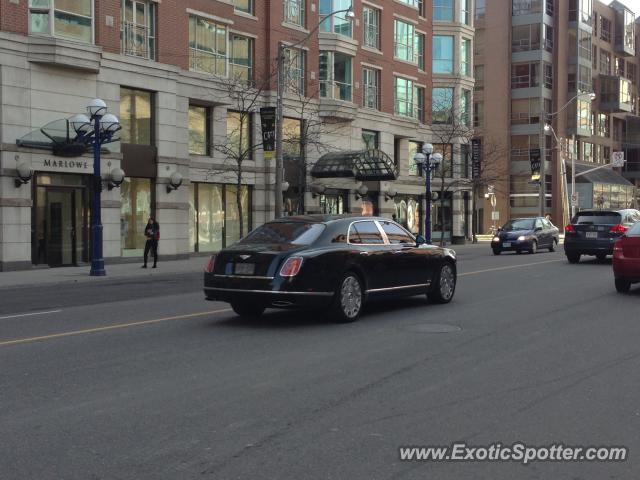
{"type": "Point", "coordinates": [28, 314]}
{"type": "Point", "coordinates": [110, 327]}
{"type": "Point", "coordinates": [497, 269]}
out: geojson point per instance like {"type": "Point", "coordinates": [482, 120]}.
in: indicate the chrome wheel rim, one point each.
{"type": "Point", "coordinates": [447, 282]}
{"type": "Point", "coordinates": [534, 247]}
{"type": "Point", "coordinates": [351, 297]}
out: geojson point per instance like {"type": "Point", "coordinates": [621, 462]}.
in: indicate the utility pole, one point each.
{"type": "Point", "coordinates": [279, 120]}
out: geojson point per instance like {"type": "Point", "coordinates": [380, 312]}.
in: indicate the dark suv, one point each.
{"type": "Point", "coordinates": [593, 232]}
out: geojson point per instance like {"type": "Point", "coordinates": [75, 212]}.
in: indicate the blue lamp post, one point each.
{"type": "Point", "coordinates": [427, 162]}
{"type": "Point", "coordinates": [96, 129]}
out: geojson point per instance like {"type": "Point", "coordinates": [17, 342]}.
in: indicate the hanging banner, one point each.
{"type": "Point", "coordinates": [476, 158]}
{"type": "Point", "coordinates": [534, 158]}
{"type": "Point", "coordinates": [268, 122]}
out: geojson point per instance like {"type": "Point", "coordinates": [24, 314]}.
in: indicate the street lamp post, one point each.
{"type": "Point", "coordinates": [95, 130]}
{"type": "Point", "coordinates": [548, 127]}
{"type": "Point", "coordinates": [280, 107]}
{"type": "Point", "coordinates": [427, 161]}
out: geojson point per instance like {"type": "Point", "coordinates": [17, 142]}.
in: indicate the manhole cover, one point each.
{"type": "Point", "coordinates": [432, 328]}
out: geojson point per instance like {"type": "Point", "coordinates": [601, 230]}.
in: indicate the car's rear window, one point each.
{"type": "Point", "coordinates": [296, 233]}
{"type": "Point", "coordinates": [597, 218]}
{"type": "Point", "coordinates": [634, 231]}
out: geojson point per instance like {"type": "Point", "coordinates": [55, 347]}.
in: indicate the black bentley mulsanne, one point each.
{"type": "Point", "coordinates": [328, 261]}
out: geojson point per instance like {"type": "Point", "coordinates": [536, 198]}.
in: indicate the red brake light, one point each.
{"type": "Point", "coordinates": [291, 267]}
{"type": "Point", "coordinates": [210, 264]}
{"type": "Point", "coordinates": [569, 229]}
{"type": "Point", "coordinates": [618, 229]}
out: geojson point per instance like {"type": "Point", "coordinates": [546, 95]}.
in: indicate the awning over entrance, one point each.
{"type": "Point", "coordinates": [603, 175]}
{"type": "Point", "coordinates": [362, 165]}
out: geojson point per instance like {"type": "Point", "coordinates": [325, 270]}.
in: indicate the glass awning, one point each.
{"type": "Point", "coordinates": [603, 175]}
{"type": "Point", "coordinates": [359, 164]}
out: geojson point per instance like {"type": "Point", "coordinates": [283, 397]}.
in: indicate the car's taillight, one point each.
{"type": "Point", "coordinates": [618, 249]}
{"type": "Point", "coordinates": [210, 264]}
{"type": "Point", "coordinates": [569, 229]}
{"type": "Point", "coordinates": [291, 267]}
{"type": "Point", "coordinates": [618, 229]}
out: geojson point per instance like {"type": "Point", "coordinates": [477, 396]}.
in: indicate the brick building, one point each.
{"type": "Point", "coordinates": [165, 67]}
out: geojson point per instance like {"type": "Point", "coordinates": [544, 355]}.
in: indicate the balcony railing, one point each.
{"type": "Point", "coordinates": [136, 41]}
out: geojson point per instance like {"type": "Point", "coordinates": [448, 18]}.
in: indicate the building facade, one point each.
{"type": "Point", "coordinates": [166, 69]}
{"type": "Point", "coordinates": [571, 66]}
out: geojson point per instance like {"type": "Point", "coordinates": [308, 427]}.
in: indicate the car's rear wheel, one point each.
{"type": "Point", "coordinates": [497, 251]}
{"type": "Point", "coordinates": [248, 310]}
{"type": "Point", "coordinates": [534, 247]}
{"type": "Point", "coordinates": [622, 285]}
{"type": "Point", "coordinates": [601, 256]}
{"type": "Point", "coordinates": [552, 247]}
{"type": "Point", "coordinates": [444, 285]}
{"type": "Point", "coordinates": [573, 257]}
{"type": "Point", "coordinates": [348, 300]}
{"type": "Point", "coordinates": [518, 252]}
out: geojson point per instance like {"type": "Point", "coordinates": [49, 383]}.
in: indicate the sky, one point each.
{"type": "Point", "coordinates": [634, 5]}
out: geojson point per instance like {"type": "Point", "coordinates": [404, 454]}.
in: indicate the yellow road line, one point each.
{"type": "Point", "coordinates": [110, 327]}
{"type": "Point", "coordinates": [497, 269]}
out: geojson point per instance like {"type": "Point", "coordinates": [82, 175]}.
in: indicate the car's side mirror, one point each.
{"type": "Point", "coordinates": [420, 240]}
{"type": "Point", "coordinates": [538, 229]}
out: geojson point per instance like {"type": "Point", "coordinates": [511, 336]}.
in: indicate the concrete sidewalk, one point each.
{"type": "Point", "coordinates": [122, 271]}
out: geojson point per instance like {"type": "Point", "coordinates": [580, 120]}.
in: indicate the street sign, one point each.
{"type": "Point", "coordinates": [268, 122]}
{"type": "Point", "coordinates": [495, 215]}
{"type": "Point", "coordinates": [476, 158]}
{"type": "Point", "coordinates": [574, 198]}
{"type": "Point", "coordinates": [617, 159]}
{"type": "Point", "coordinates": [534, 158]}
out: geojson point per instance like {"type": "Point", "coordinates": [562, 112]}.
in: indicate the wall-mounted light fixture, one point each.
{"type": "Point", "coordinates": [25, 173]}
{"type": "Point", "coordinates": [390, 194]}
{"type": "Point", "coordinates": [116, 177]}
{"type": "Point", "coordinates": [317, 189]}
{"type": "Point", "coordinates": [361, 191]}
{"type": "Point", "coordinates": [174, 182]}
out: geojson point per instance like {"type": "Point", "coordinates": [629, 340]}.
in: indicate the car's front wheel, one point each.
{"type": "Point", "coordinates": [534, 247]}
{"type": "Point", "coordinates": [444, 284]}
{"type": "Point", "coordinates": [622, 285]}
{"type": "Point", "coordinates": [497, 251]}
{"type": "Point", "coordinates": [248, 310]}
{"type": "Point", "coordinates": [552, 247]}
{"type": "Point", "coordinates": [348, 300]}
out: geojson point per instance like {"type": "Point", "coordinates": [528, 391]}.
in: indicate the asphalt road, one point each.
{"type": "Point", "coordinates": [139, 381]}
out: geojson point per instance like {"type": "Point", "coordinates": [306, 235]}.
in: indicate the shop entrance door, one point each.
{"type": "Point", "coordinates": [60, 227]}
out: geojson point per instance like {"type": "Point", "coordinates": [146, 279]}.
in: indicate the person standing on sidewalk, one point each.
{"type": "Point", "coordinates": [152, 232]}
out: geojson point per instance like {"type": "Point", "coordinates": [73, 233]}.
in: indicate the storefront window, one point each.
{"type": "Point", "coordinates": [232, 214]}
{"type": "Point", "coordinates": [407, 212]}
{"type": "Point", "coordinates": [333, 204]}
{"type": "Point", "coordinates": [198, 130]}
{"type": "Point", "coordinates": [442, 218]}
{"type": "Point", "coordinates": [135, 210]}
{"type": "Point", "coordinates": [135, 116]}
{"type": "Point", "coordinates": [210, 217]}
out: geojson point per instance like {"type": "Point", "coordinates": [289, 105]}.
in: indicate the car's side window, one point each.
{"type": "Point", "coordinates": [365, 233]}
{"type": "Point", "coordinates": [538, 223]}
{"type": "Point", "coordinates": [396, 235]}
{"type": "Point", "coordinates": [546, 223]}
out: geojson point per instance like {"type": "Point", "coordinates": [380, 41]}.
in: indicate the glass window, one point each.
{"type": "Point", "coordinates": [294, 11]}
{"type": "Point", "coordinates": [370, 139]}
{"type": "Point", "coordinates": [335, 75]}
{"type": "Point", "coordinates": [294, 67]}
{"type": "Point", "coordinates": [232, 222]}
{"type": "Point", "coordinates": [69, 19]}
{"type": "Point", "coordinates": [336, 23]}
{"type": "Point", "coordinates": [333, 204]}
{"type": "Point", "coordinates": [465, 57]}
{"type": "Point", "coordinates": [241, 58]}
{"type": "Point", "coordinates": [239, 134]}
{"type": "Point", "coordinates": [525, 7]}
{"type": "Point", "coordinates": [198, 130]}
{"type": "Point", "coordinates": [371, 30]}
{"type": "Point", "coordinates": [244, 5]}
{"type": "Point", "coordinates": [445, 169]}
{"type": "Point", "coordinates": [365, 233]}
{"type": "Point", "coordinates": [370, 85]}
{"type": "Point", "coordinates": [138, 28]}
{"type": "Point", "coordinates": [135, 210]}
{"type": "Point", "coordinates": [207, 46]}
{"type": "Point", "coordinates": [443, 10]}
{"type": "Point", "coordinates": [210, 217]}
{"type": "Point", "coordinates": [442, 105]}
{"type": "Point", "coordinates": [404, 34]}
{"type": "Point", "coordinates": [480, 8]}
{"type": "Point", "coordinates": [396, 234]}
{"type": "Point", "coordinates": [135, 116]}
{"type": "Point", "coordinates": [465, 107]}
{"type": "Point", "coordinates": [465, 12]}
{"type": "Point", "coordinates": [442, 54]}
{"type": "Point", "coordinates": [407, 98]}
{"type": "Point", "coordinates": [418, 50]}
{"type": "Point", "coordinates": [291, 137]}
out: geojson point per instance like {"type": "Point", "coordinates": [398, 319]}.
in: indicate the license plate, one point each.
{"type": "Point", "coordinates": [506, 244]}
{"type": "Point", "coordinates": [591, 235]}
{"type": "Point", "coordinates": [244, 268]}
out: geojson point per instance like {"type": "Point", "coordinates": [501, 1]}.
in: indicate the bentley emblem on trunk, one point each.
{"type": "Point", "coordinates": [244, 257]}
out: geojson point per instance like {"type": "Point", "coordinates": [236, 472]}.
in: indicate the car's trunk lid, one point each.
{"type": "Point", "coordinates": [596, 225]}
{"type": "Point", "coordinates": [252, 260]}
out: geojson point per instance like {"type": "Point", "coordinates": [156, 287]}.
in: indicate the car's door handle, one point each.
{"type": "Point", "coordinates": [396, 252]}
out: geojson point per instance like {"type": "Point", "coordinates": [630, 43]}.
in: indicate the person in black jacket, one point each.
{"type": "Point", "coordinates": [152, 232]}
